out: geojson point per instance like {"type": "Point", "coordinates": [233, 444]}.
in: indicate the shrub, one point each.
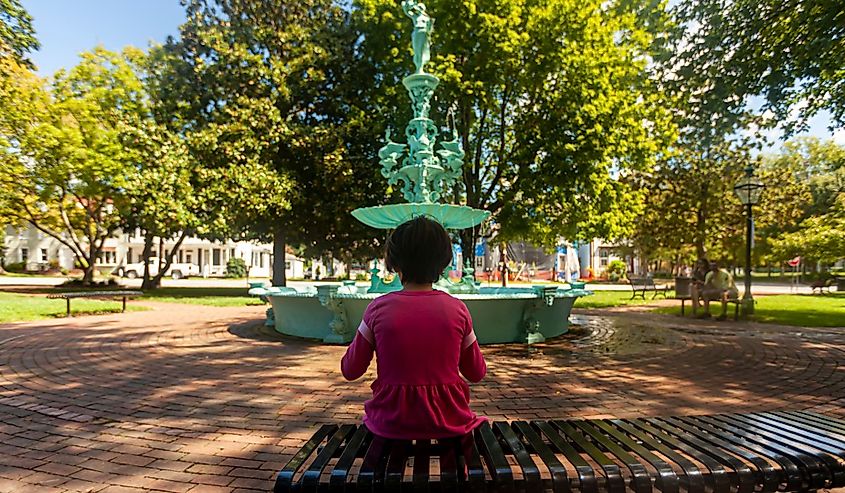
{"type": "Point", "coordinates": [16, 267]}
{"type": "Point", "coordinates": [616, 270]}
{"type": "Point", "coordinates": [362, 277]}
{"type": "Point", "coordinates": [236, 267]}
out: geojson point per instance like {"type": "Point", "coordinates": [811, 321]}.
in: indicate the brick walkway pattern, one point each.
{"type": "Point", "coordinates": [200, 399]}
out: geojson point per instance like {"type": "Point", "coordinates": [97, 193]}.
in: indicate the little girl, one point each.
{"type": "Point", "coordinates": [424, 341]}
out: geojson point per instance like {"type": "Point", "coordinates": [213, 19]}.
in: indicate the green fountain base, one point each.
{"type": "Point", "coordinates": [499, 315]}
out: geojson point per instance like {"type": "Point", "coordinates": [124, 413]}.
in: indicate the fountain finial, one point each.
{"type": "Point", "coordinates": [420, 37]}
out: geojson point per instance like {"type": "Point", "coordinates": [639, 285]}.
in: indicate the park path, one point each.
{"type": "Point", "coordinates": [203, 399]}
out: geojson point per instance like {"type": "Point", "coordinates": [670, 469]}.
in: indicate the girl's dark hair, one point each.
{"type": "Point", "coordinates": [420, 249]}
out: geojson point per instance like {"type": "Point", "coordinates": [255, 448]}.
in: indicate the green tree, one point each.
{"type": "Point", "coordinates": [17, 36]}
{"type": "Point", "coordinates": [66, 172]}
{"type": "Point", "coordinates": [164, 200]}
{"type": "Point", "coordinates": [817, 233]}
{"type": "Point", "coordinates": [787, 52]}
{"type": "Point", "coordinates": [257, 86]}
{"type": "Point", "coordinates": [554, 102]}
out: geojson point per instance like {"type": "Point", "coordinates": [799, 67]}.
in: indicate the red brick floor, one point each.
{"type": "Point", "coordinates": [189, 398]}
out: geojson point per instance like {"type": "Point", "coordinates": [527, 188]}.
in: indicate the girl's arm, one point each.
{"type": "Point", "coordinates": [472, 364]}
{"type": "Point", "coordinates": [358, 355]}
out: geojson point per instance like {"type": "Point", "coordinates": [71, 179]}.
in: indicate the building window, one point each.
{"type": "Point", "coordinates": [129, 255]}
{"type": "Point", "coordinates": [24, 255]}
{"type": "Point", "coordinates": [604, 256]}
{"type": "Point", "coordinates": [188, 257]}
{"type": "Point", "coordinates": [287, 265]}
{"type": "Point", "coordinates": [44, 257]}
{"type": "Point", "coordinates": [215, 256]}
{"type": "Point", "coordinates": [479, 263]}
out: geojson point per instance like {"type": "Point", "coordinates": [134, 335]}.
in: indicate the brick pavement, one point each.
{"type": "Point", "coordinates": [199, 399]}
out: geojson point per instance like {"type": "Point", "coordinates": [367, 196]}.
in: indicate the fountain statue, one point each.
{"type": "Point", "coordinates": [424, 172]}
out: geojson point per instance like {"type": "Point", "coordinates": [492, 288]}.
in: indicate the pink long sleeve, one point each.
{"type": "Point", "coordinates": [357, 358]}
{"type": "Point", "coordinates": [472, 364]}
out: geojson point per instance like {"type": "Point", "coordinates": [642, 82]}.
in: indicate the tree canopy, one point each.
{"type": "Point", "coordinates": [257, 88]}
{"type": "Point", "coordinates": [65, 170]}
{"type": "Point", "coordinates": [17, 36]}
{"type": "Point", "coordinates": [787, 53]}
{"type": "Point", "coordinates": [553, 101]}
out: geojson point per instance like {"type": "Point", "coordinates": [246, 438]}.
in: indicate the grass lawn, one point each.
{"type": "Point", "coordinates": [826, 310]}
{"type": "Point", "coordinates": [22, 308]}
{"type": "Point", "coordinates": [607, 299]}
{"type": "Point", "coordinates": [202, 296]}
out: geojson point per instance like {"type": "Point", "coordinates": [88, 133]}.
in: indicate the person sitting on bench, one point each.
{"type": "Point", "coordinates": [424, 341]}
{"type": "Point", "coordinates": [718, 286]}
{"type": "Point", "coordinates": [702, 268]}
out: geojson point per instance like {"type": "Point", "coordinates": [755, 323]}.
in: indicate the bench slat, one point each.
{"type": "Point", "coordinates": [791, 469]}
{"type": "Point", "coordinates": [693, 479]}
{"type": "Point", "coordinates": [800, 435]}
{"type": "Point", "coordinates": [284, 481]}
{"type": "Point", "coordinates": [396, 462]}
{"type": "Point", "coordinates": [560, 481]}
{"type": "Point", "coordinates": [586, 475]}
{"type": "Point", "coordinates": [311, 477]}
{"type": "Point", "coordinates": [352, 450]}
{"type": "Point", "coordinates": [813, 464]}
{"type": "Point", "coordinates": [472, 458]}
{"type": "Point", "coordinates": [667, 479]}
{"type": "Point", "coordinates": [746, 478]}
{"type": "Point", "coordinates": [497, 463]}
{"type": "Point", "coordinates": [821, 420]}
{"type": "Point", "coordinates": [613, 475]}
{"type": "Point", "coordinates": [530, 471]}
{"type": "Point", "coordinates": [641, 481]}
{"type": "Point", "coordinates": [822, 428]}
{"type": "Point", "coordinates": [371, 476]}
{"type": "Point", "coordinates": [716, 478]}
{"type": "Point", "coordinates": [742, 453]}
{"type": "Point", "coordinates": [422, 452]}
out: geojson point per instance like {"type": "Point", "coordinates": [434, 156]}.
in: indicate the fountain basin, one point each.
{"type": "Point", "coordinates": [332, 313]}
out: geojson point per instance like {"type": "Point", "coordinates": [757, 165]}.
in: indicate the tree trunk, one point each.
{"type": "Point", "coordinates": [148, 248]}
{"type": "Point", "coordinates": [503, 259]}
{"type": "Point", "coordinates": [88, 274]}
{"type": "Point", "coordinates": [91, 261]}
{"type": "Point", "coordinates": [468, 240]}
{"type": "Point", "coordinates": [279, 239]}
{"type": "Point", "coordinates": [165, 262]}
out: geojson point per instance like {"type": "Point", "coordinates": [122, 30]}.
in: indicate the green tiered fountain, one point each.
{"type": "Point", "coordinates": [424, 173]}
{"type": "Point", "coordinates": [332, 313]}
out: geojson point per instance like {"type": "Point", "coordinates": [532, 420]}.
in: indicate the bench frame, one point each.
{"type": "Point", "coordinates": [96, 295]}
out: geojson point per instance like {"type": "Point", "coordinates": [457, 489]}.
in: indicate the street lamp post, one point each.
{"type": "Point", "coordinates": [748, 190]}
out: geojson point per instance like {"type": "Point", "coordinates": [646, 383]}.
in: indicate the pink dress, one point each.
{"type": "Point", "coordinates": [424, 342]}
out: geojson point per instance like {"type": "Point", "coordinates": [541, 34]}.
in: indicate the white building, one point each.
{"type": "Point", "coordinates": [38, 250]}
{"type": "Point", "coordinates": [598, 254]}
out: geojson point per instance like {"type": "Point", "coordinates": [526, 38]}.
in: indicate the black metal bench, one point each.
{"type": "Point", "coordinates": [741, 453]}
{"type": "Point", "coordinates": [114, 294]}
{"type": "Point", "coordinates": [641, 285]}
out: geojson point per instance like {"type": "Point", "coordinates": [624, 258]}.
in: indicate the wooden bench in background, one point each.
{"type": "Point", "coordinates": [741, 453]}
{"type": "Point", "coordinates": [96, 294]}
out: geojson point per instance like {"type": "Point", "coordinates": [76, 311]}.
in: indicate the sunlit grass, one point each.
{"type": "Point", "coordinates": [827, 310]}
{"type": "Point", "coordinates": [608, 299]}
{"type": "Point", "coordinates": [22, 307]}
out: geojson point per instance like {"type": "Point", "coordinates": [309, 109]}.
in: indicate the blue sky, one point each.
{"type": "Point", "coordinates": [69, 27]}
{"type": "Point", "coordinates": [66, 28]}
